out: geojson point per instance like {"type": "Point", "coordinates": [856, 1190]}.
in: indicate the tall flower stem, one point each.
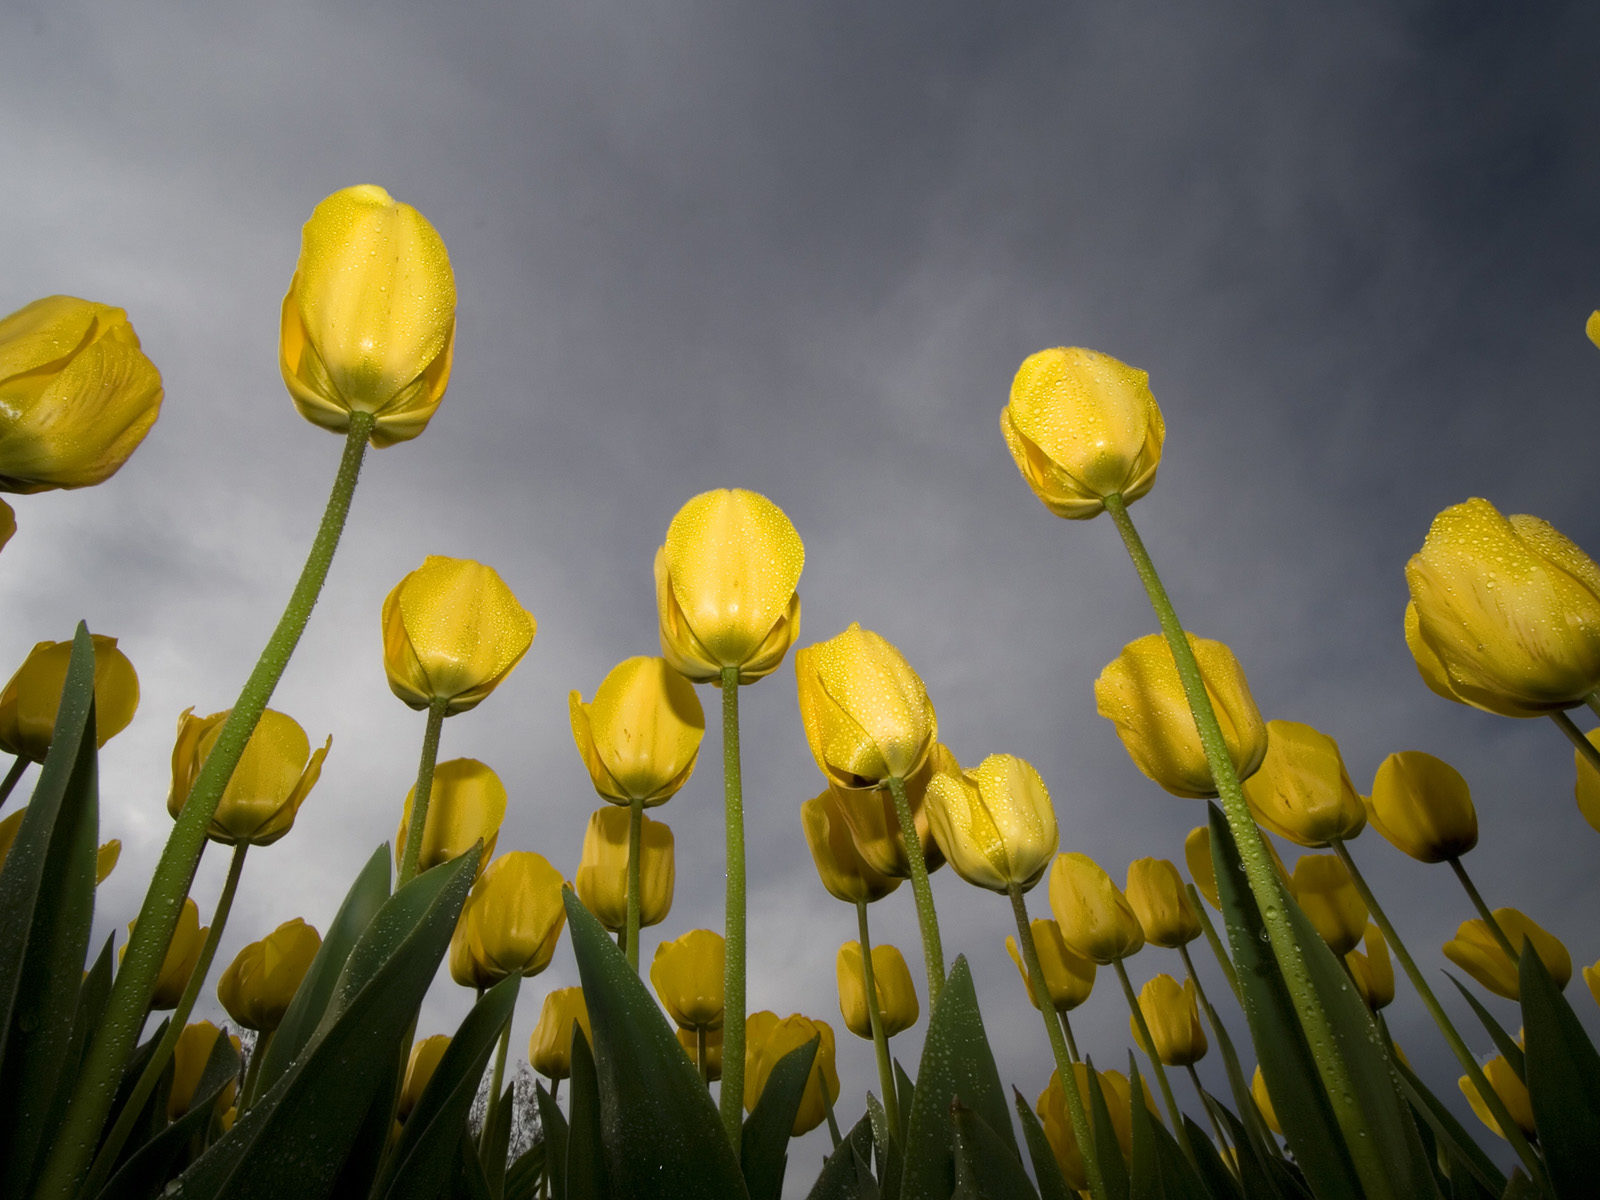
{"type": "Point", "coordinates": [10, 781]}
{"type": "Point", "coordinates": [927, 919]}
{"type": "Point", "coordinates": [1215, 942]}
{"type": "Point", "coordinates": [1179, 1131]}
{"type": "Point", "coordinates": [1250, 1117]}
{"type": "Point", "coordinates": [493, 1106]}
{"type": "Point", "coordinates": [1066, 1033]}
{"type": "Point", "coordinates": [252, 1073]}
{"type": "Point", "coordinates": [1575, 735]}
{"type": "Point", "coordinates": [1058, 1046]}
{"type": "Point", "coordinates": [732, 1098]}
{"type": "Point", "coordinates": [1199, 1089]}
{"type": "Point", "coordinates": [421, 794]}
{"type": "Point", "coordinates": [880, 1040]}
{"type": "Point", "coordinates": [135, 983]}
{"type": "Point", "coordinates": [1483, 909]}
{"type": "Point", "coordinates": [635, 836]}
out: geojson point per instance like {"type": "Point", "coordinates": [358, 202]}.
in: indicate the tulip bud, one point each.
{"type": "Point", "coordinates": [29, 703]}
{"type": "Point", "coordinates": [844, 872]}
{"type": "Point", "coordinates": [1373, 972]}
{"type": "Point", "coordinates": [1326, 894]}
{"type": "Point", "coordinates": [466, 804]}
{"type": "Point", "coordinates": [424, 1061]}
{"type": "Point", "coordinates": [263, 978]}
{"type": "Point", "coordinates": [1504, 612]}
{"type": "Point", "coordinates": [1258, 1092]}
{"type": "Point", "coordinates": [76, 393]}
{"type": "Point", "coordinates": [510, 923]}
{"type": "Point", "coordinates": [1140, 692]}
{"type": "Point", "coordinates": [1082, 426]}
{"type": "Point", "coordinates": [369, 322]}
{"type": "Point", "coordinates": [874, 824]}
{"type": "Point", "coordinates": [725, 580]}
{"type": "Point", "coordinates": [1172, 1012]}
{"type": "Point", "coordinates": [452, 631]}
{"type": "Point", "coordinates": [995, 824]}
{"type": "Point", "coordinates": [1054, 1115]}
{"type": "Point", "coordinates": [602, 881]}
{"type": "Point", "coordinates": [1068, 976]}
{"type": "Point", "coordinates": [641, 735]}
{"type": "Point", "coordinates": [1156, 894]}
{"type": "Point", "coordinates": [690, 1039]}
{"type": "Point", "coordinates": [891, 981]}
{"type": "Point", "coordinates": [767, 1039]}
{"type": "Point", "coordinates": [867, 715]}
{"type": "Point", "coordinates": [1302, 791]}
{"type": "Point", "coordinates": [190, 1054]}
{"type": "Point", "coordinates": [183, 954]}
{"type": "Point", "coordinates": [1513, 1093]}
{"type": "Point", "coordinates": [1587, 787]}
{"type": "Point", "coordinates": [1477, 952]}
{"type": "Point", "coordinates": [687, 974]}
{"type": "Point", "coordinates": [275, 775]}
{"type": "Point", "coordinates": [1423, 807]}
{"type": "Point", "coordinates": [550, 1047]}
{"type": "Point", "coordinates": [1096, 921]}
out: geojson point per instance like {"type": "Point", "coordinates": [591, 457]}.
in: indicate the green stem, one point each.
{"type": "Point", "coordinates": [14, 774]}
{"type": "Point", "coordinates": [135, 982]}
{"type": "Point", "coordinates": [151, 1075]}
{"type": "Point", "coordinates": [700, 1057]}
{"type": "Point", "coordinates": [1215, 942]}
{"type": "Point", "coordinates": [1483, 909]}
{"type": "Point", "coordinates": [635, 836]}
{"type": "Point", "coordinates": [1593, 701]}
{"type": "Point", "coordinates": [880, 1040]}
{"type": "Point", "coordinates": [1179, 1130]}
{"type": "Point", "coordinates": [493, 1107]}
{"type": "Point", "coordinates": [932, 947]}
{"type": "Point", "coordinates": [252, 1074]}
{"type": "Point", "coordinates": [1575, 735]}
{"type": "Point", "coordinates": [732, 1097]}
{"type": "Point", "coordinates": [833, 1121]}
{"type": "Point", "coordinates": [1066, 1033]}
{"type": "Point", "coordinates": [421, 794]}
{"type": "Point", "coordinates": [1469, 1064]}
{"type": "Point", "coordinates": [1058, 1046]}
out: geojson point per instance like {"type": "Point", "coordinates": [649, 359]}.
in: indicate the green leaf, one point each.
{"type": "Point", "coordinates": [1046, 1170]}
{"type": "Point", "coordinates": [1449, 1132]}
{"type": "Point", "coordinates": [986, 1164]}
{"type": "Point", "coordinates": [846, 1174]}
{"type": "Point", "coordinates": [1113, 1169]}
{"type": "Point", "coordinates": [1563, 1080]}
{"type": "Point", "coordinates": [1254, 1136]}
{"type": "Point", "coordinates": [764, 1145]}
{"type": "Point", "coordinates": [661, 1134]}
{"type": "Point", "coordinates": [1158, 1169]}
{"type": "Point", "coordinates": [554, 1144]}
{"type": "Point", "coordinates": [1263, 1175]}
{"type": "Point", "coordinates": [1213, 1172]}
{"type": "Point", "coordinates": [499, 1142]}
{"type": "Point", "coordinates": [586, 1164]}
{"type": "Point", "coordinates": [47, 896]}
{"type": "Point", "coordinates": [1503, 1041]}
{"type": "Point", "coordinates": [522, 1180]}
{"type": "Point", "coordinates": [471, 1182]}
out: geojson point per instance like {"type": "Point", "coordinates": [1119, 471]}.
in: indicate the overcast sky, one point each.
{"type": "Point", "coordinates": [802, 249]}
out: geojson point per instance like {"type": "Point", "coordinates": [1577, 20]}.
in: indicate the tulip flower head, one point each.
{"type": "Point", "coordinates": [183, 954]}
{"type": "Point", "coordinates": [29, 703]}
{"type": "Point", "coordinates": [867, 715]}
{"type": "Point", "coordinates": [369, 321]}
{"type": "Point", "coordinates": [1423, 807]}
{"type": "Point", "coordinates": [1322, 886]}
{"type": "Point", "coordinates": [1587, 787]}
{"type": "Point", "coordinates": [843, 871]}
{"type": "Point", "coordinates": [1082, 426]}
{"type": "Point", "coordinates": [1157, 896]}
{"type": "Point", "coordinates": [550, 1047]}
{"type": "Point", "coordinates": [1513, 1093]}
{"type": "Point", "coordinates": [1068, 975]}
{"type": "Point", "coordinates": [190, 1053]}
{"type": "Point", "coordinates": [510, 923]}
{"type": "Point", "coordinates": [105, 859]}
{"type": "Point", "coordinates": [466, 804]}
{"type": "Point", "coordinates": [424, 1061]}
{"type": "Point", "coordinates": [262, 979]}
{"type": "Point", "coordinates": [641, 734]}
{"type": "Point", "coordinates": [1477, 952]}
{"type": "Point", "coordinates": [602, 881]}
{"type": "Point", "coordinates": [891, 980]}
{"type": "Point", "coordinates": [995, 823]}
{"type": "Point", "coordinates": [1373, 971]}
{"type": "Point", "coordinates": [8, 523]}
{"type": "Point", "coordinates": [1172, 1012]}
{"type": "Point", "coordinates": [77, 395]}
{"type": "Point", "coordinates": [687, 975]}
{"type": "Point", "coordinates": [1302, 791]}
{"type": "Point", "coordinates": [1592, 327]}
{"type": "Point", "coordinates": [1096, 920]}
{"type": "Point", "coordinates": [767, 1039]}
{"type": "Point", "coordinates": [1591, 976]}
{"type": "Point", "coordinates": [275, 775]}
{"type": "Point", "coordinates": [869, 814]}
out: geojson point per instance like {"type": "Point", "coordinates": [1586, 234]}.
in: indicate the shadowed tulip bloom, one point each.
{"type": "Point", "coordinates": [1322, 887]}
{"type": "Point", "coordinates": [602, 882]}
{"type": "Point", "coordinates": [1423, 807]}
{"type": "Point", "coordinates": [189, 1056]}
{"type": "Point", "coordinates": [875, 829]}
{"type": "Point", "coordinates": [687, 975]}
{"type": "Point", "coordinates": [1156, 894]}
{"type": "Point", "coordinates": [843, 871]}
{"type": "Point", "coordinates": [1172, 1012]}
{"type": "Point", "coordinates": [183, 953]}
{"type": "Point", "coordinates": [275, 775]}
{"type": "Point", "coordinates": [725, 580]}
{"type": "Point", "coordinates": [424, 1061]}
{"type": "Point", "coordinates": [30, 700]}
{"type": "Point", "coordinates": [550, 1047]}
{"type": "Point", "coordinates": [1140, 693]}
{"type": "Point", "coordinates": [466, 804]}
{"type": "Point", "coordinates": [994, 823]}
{"type": "Point", "coordinates": [1096, 920]}
{"type": "Point", "coordinates": [8, 523]}
{"type": "Point", "coordinates": [866, 713]}
{"type": "Point", "coordinates": [767, 1039]}
{"type": "Point", "coordinates": [1587, 787]}
{"type": "Point", "coordinates": [1373, 971]}
{"type": "Point", "coordinates": [1263, 1099]}
{"type": "Point", "coordinates": [369, 322]}
{"type": "Point", "coordinates": [1592, 327]}
{"type": "Point", "coordinates": [1302, 791]}
{"type": "Point", "coordinates": [1054, 1115]}
{"type": "Point", "coordinates": [510, 923]}
{"type": "Point", "coordinates": [641, 734]}
{"type": "Point", "coordinates": [1197, 856]}
{"type": "Point", "coordinates": [105, 859]}
{"type": "Point", "coordinates": [1591, 976]}
{"type": "Point", "coordinates": [262, 979]}
{"type": "Point", "coordinates": [77, 395]}
{"type": "Point", "coordinates": [1513, 1094]}
{"type": "Point", "coordinates": [452, 631]}
{"type": "Point", "coordinates": [891, 980]}
{"type": "Point", "coordinates": [690, 1041]}
{"type": "Point", "coordinates": [1476, 951]}
{"type": "Point", "coordinates": [1504, 612]}
{"type": "Point", "coordinates": [1068, 976]}
{"type": "Point", "coordinates": [1081, 426]}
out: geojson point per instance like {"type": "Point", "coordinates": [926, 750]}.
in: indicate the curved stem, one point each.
{"type": "Point", "coordinates": [421, 795]}
{"type": "Point", "coordinates": [1215, 942]}
{"type": "Point", "coordinates": [14, 774]}
{"type": "Point", "coordinates": [1148, 1044]}
{"type": "Point", "coordinates": [880, 1040]}
{"type": "Point", "coordinates": [731, 1099]}
{"type": "Point", "coordinates": [927, 919]}
{"type": "Point", "coordinates": [1498, 933]}
{"type": "Point", "coordinates": [1575, 735]}
{"type": "Point", "coordinates": [631, 928]}
{"type": "Point", "coordinates": [1200, 1091]}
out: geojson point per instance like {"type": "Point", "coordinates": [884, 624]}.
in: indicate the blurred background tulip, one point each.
{"type": "Point", "coordinates": [869, 814]}
{"type": "Point", "coordinates": [1258, 1092]}
{"type": "Point", "coordinates": [1423, 807]}
{"type": "Point", "coordinates": [1587, 787]}
{"type": "Point", "coordinates": [1301, 790]}
{"type": "Point", "coordinates": [687, 975]}
{"type": "Point", "coordinates": [995, 823]}
{"type": "Point", "coordinates": [641, 734]}
{"type": "Point", "coordinates": [693, 1041]}
{"type": "Point", "coordinates": [1053, 1115]}
{"type": "Point", "coordinates": [424, 1061]}
{"type": "Point", "coordinates": [29, 702]}
{"type": "Point", "coordinates": [1158, 898]}
{"type": "Point", "coordinates": [891, 980]}
{"type": "Point", "coordinates": [767, 1039]}
{"type": "Point", "coordinates": [189, 1056]}
{"type": "Point", "coordinates": [183, 952]}
{"type": "Point", "coordinates": [602, 879]}
{"type": "Point", "coordinates": [1478, 952]}
{"type": "Point", "coordinates": [264, 976]}
{"type": "Point", "coordinates": [468, 804]}
{"type": "Point", "coordinates": [1513, 1094]}
{"type": "Point", "coordinates": [1372, 969]}
{"type": "Point", "coordinates": [844, 872]}
{"type": "Point", "coordinates": [510, 923]}
{"type": "Point", "coordinates": [1096, 920]}
{"type": "Point", "coordinates": [550, 1046]}
{"type": "Point", "coordinates": [275, 775]}
{"type": "Point", "coordinates": [1068, 975]}
{"type": "Point", "coordinates": [1322, 886]}
{"type": "Point", "coordinates": [866, 713]}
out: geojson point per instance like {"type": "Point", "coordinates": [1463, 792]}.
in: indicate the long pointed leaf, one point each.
{"type": "Point", "coordinates": [1113, 1168]}
{"type": "Point", "coordinates": [986, 1164]}
{"type": "Point", "coordinates": [1503, 1041]}
{"type": "Point", "coordinates": [555, 1130]}
{"type": "Point", "coordinates": [1046, 1170]}
{"type": "Point", "coordinates": [1563, 1080]}
{"type": "Point", "coordinates": [1449, 1131]}
{"type": "Point", "coordinates": [764, 1146]}
{"type": "Point", "coordinates": [587, 1176]}
{"type": "Point", "coordinates": [844, 1175]}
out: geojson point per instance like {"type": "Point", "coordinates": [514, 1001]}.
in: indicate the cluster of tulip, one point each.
{"type": "Point", "coordinates": [1504, 615]}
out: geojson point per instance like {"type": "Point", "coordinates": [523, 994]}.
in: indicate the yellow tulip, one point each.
{"type": "Point", "coordinates": [1322, 887]}
{"type": "Point", "coordinates": [1156, 894]}
{"type": "Point", "coordinates": [602, 881]}
{"type": "Point", "coordinates": [1504, 612]}
{"type": "Point", "coordinates": [1477, 952]}
{"type": "Point", "coordinates": [105, 859]}
{"type": "Point", "coordinates": [1591, 976]}
{"type": "Point", "coordinates": [1172, 1012]}
{"type": "Point", "coordinates": [1197, 855]}
{"type": "Point", "coordinates": [510, 923]}
{"type": "Point", "coordinates": [1373, 971]}
{"type": "Point", "coordinates": [1140, 693]}
{"type": "Point", "coordinates": [550, 1047]}
{"type": "Point", "coordinates": [466, 804]}
{"type": "Point", "coordinates": [891, 980]}
{"type": "Point", "coordinates": [183, 953]}
{"type": "Point", "coordinates": [866, 714]}
{"type": "Point", "coordinates": [77, 395]}
{"type": "Point", "coordinates": [452, 631]}
{"type": "Point", "coordinates": [869, 813]}
{"type": "Point", "coordinates": [687, 975]}
{"type": "Point", "coordinates": [995, 823]}
{"type": "Point", "coordinates": [424, 1061]}
{"type": "Point", "coordinates": [1258, 1091]}
{"type": "Point", "coordinates": [1081, 426]}
{"type": "Point", "coordinates": [1117, 1092]}
{"type": "Point", "coordinates": [844, 872]}
{"type": "Point", "coordinates": [369, 322]}
{"type": "Point", "coordinates": [767, 1039]}
{"type": "Point", "coordinates": [189, 1056]}
{"type": "Point", "coordinates": [263, 978]}
{"type": "Point", "coordinates": [689, 1039]}
{"type": "Point", "coordinates": [1423, 806]}
{"type": "Point", "coordinates": [1513, 1094]}
{"type": "Point", "coordinates": [1302, 791]}
{"type": "Point", "coordinates": [9, 825]}
{"type": "Point", "coordinates": [641, 734]}
{"type": "Point", "coordinates": [8, 523]}
{"type": "Point", "coordinates": [29, 702]}
{"type": "Point", "coordinates": [1068, 976]}
{"type": "Point", "coordinates": [725, 580]}
{"type": "Point", "coordinates": [275, 775]}
{"type": "Point", "coordinates": [1587, 787]}
{"type": "Point", "coordinates": [1096, 920]}
{"type": "Point", "coordinates": [1592, 327]}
